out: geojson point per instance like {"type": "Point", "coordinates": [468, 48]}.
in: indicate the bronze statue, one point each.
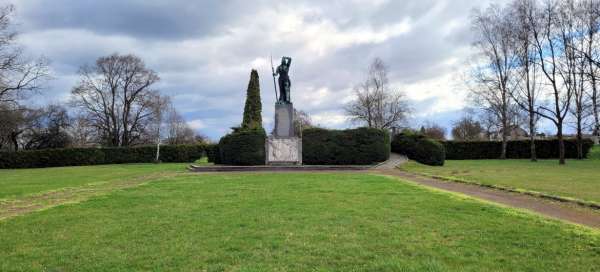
{"type": "Point", "coordinates": [284, 80]}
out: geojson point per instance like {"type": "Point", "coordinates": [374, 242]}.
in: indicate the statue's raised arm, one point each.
{"type": "Point", "coordinates": [288, 61]}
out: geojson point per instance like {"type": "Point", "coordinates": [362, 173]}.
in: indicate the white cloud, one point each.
{"type": "Point", "coordinates": [197, 124]}
{"type": "Point", "coordinates": [330, 119]}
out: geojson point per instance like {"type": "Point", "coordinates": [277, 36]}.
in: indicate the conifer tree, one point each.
{"type": "Point", "coordinates": [253, 109]}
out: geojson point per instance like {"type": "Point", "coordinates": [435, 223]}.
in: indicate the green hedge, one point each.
{"type": "Point", "coordinates": [419, 148]}
{"type": "Point", "coordinates": [243, 148]}
{"type": "Point", "coordinates": [96, 156]}
{"type": "Point", "coordinates": [213, 154]}
{"type": "Point", "coordinates": [545, 149]}
{"type": "Point", "coordinates": [363, 146]}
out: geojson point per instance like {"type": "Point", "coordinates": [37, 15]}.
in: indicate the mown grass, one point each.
{"type": "Point", "coordinates": [577, 179]}
{"type": "Point", "coordinates": [17, 183]}
{"type": "Point", "coordinates": [290, 222]}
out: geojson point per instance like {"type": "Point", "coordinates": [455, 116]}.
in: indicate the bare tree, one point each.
{"type": "Point", "coordinates": [302, 121]}
{"type": "Point", "coordinates": [82, 131]}
{"type": "Point", "coordinates": [467, 129]}
{"type": "Point", "coordinates": [116, 95]}
{"type": "Point", "coordinates": [496, 43]}
{"type": "Point", "coordinates": [48, 129]}
{"type": "Point", "coordinates": [546, 35]}
{"type": "Point", "coordinates": [434, 131]}
{"type": "Point", "coordinates": [18, 75]}
{"type": "Point", "coordinates": [179, 132]}
{"type": "Point", "coordinates": [27, 128]}
{"type": "Point", "coordinates": [376, 105]}
{"type": "Point", "coordinates": [15, 121]}
{"type": "Point", "coordinates": [526, 90]}
{"type": "Point", "coordinates": [590, 13]}
{"type": "Point", "coordinates": [573, 64]}
{"type": "Point", "coordinates": [159, 107]}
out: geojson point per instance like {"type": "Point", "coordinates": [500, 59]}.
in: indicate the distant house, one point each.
{"type": "Point", "coordinates": [516, 133]}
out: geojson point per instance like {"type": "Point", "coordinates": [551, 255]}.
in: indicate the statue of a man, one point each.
{"type": "Point", "coordinates": [284, 80]}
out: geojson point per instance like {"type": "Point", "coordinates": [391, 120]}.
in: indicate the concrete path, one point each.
{"type": "Point", "coordinates": [394, 161]}
{"type": "Point", "coordinates": [553, 209]}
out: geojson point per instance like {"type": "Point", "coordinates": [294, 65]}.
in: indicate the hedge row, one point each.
{"type": "Point", "coordinates": [96, 156]}
{"type": "Point", "coordinates": [545, 149]}
{"type": "Point", "coordinates": [419, 148]}
{"type": "Point", "coordinates": [363, 146]}
{"type": "Point", "coordinates": [241, 148]}
{"type": "Point", "coordinates": [213, 154]}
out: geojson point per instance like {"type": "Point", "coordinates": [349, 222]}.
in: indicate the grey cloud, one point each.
{"type": "Point", "coordinates": [136, 18]}
{"type": "Point", "coordinates": [203, 50]}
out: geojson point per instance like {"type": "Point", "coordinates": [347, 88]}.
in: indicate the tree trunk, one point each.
{"type": "Point", "coordinates": [595, 107]}
{"type": "Point", "coordinates": [579, 140]}
{"type": "Point", "coordinates": [561, 143]}
{"type": "Point", "coordinates": [15, 141]}
{"type": "Point", "coordinates": [532, 136]}
{"type": "Point", "coordinates": [505, 131]}
{"type": "Point", "coordinates": [594, 96]}
{"type": "Point", "coordinates": [504, 145]}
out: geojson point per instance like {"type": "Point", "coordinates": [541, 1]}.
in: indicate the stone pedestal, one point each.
{"type": "Point", "coordinates": [284, 121]}
{"type": "Point", "coordinates": [284, 151]}
{"type": "Point", "coordinates": [283, 147]}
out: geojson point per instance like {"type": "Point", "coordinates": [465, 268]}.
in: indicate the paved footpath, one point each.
{"type": "Point", "coordinates": [553, 209]}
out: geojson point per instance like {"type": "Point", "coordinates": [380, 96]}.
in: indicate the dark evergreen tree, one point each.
{"type": "Point", "coordinates": [253, 109]}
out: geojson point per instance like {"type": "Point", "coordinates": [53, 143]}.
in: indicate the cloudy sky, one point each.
{"type": "Point", "coordinates": [204, 50]}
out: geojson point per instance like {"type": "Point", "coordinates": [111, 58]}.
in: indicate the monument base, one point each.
{"type": "Point", "coordinates": [283, 151]}
{"type": "Point", "coordinates": [284, 120]}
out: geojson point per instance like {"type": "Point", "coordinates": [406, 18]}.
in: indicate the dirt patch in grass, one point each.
{"type": "Point", "coordinates": [32, 203]}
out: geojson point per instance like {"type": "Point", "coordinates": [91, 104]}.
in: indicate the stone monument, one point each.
{"type": "Point", "coordinates": [283, 147]}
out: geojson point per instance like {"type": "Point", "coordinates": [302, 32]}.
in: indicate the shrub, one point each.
{"type": "Point", "coordinates": [245, 147]}
{"type": "Point", "coordinates": [419, 148]}
{"type": "Point", "coordinates": [213, 153]}
{"type": "Point", "coordinates": [429, 152]}
{"type": "Point", "coordinates": [545, 149]}
{"type": "Point", "coordinates": [253, 108]}
{"type": "Point", "coordinates": [405, 143]}
{"type": "Point", "coordinates": [95, 156]}
{"type": "Point", "coordinates": [363, 146]}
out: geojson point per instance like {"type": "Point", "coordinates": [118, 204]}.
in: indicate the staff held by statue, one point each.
{"type": "Point", "coordinates": [274, 80]}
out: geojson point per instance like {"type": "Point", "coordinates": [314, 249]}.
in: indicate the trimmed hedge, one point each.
{"type": "Point", "coordinates": [96, 156]}
{"type": "Point", "coordinates": [545, 149]}
{"type": "Point", "coordinates": [419, 148]}
{"type": "Point", "coordinates": [213, 154]}
{"type": "Point", "coordinates": [246, 147]}
{"type": "Point", "coordinates": [363, 146]}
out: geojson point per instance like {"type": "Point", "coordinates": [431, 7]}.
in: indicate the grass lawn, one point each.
{"type": "Point", "coordinates": [290, 222]}
{"type": "Point", "coordinates": [15, 183]}
{"type": "Point", "coordinates": [578, 179]}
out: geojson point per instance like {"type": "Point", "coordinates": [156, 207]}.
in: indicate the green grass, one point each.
{"type": "Point", "coordinates": [578, 179]}
{"type": "Point", "coordinates": [290, 222]}
{"type": "Point", "coordinates": [15, 183]}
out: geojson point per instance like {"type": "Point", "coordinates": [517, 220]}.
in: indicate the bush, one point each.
{"type": "Point", "coordinates": [419, 148]}
{"type": "Point", "coordinates": [245, 147]}
{"type": "Point", "coordinates": [363, 146]}
{"type": "Point", "coordinates": [545, 149]}
{"type": "Point", "coordinates": [429, 152]}
{"type": "Point", "coordinates": [96, 156]}
{"type": "Point", "coordinates": [213, 153]}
